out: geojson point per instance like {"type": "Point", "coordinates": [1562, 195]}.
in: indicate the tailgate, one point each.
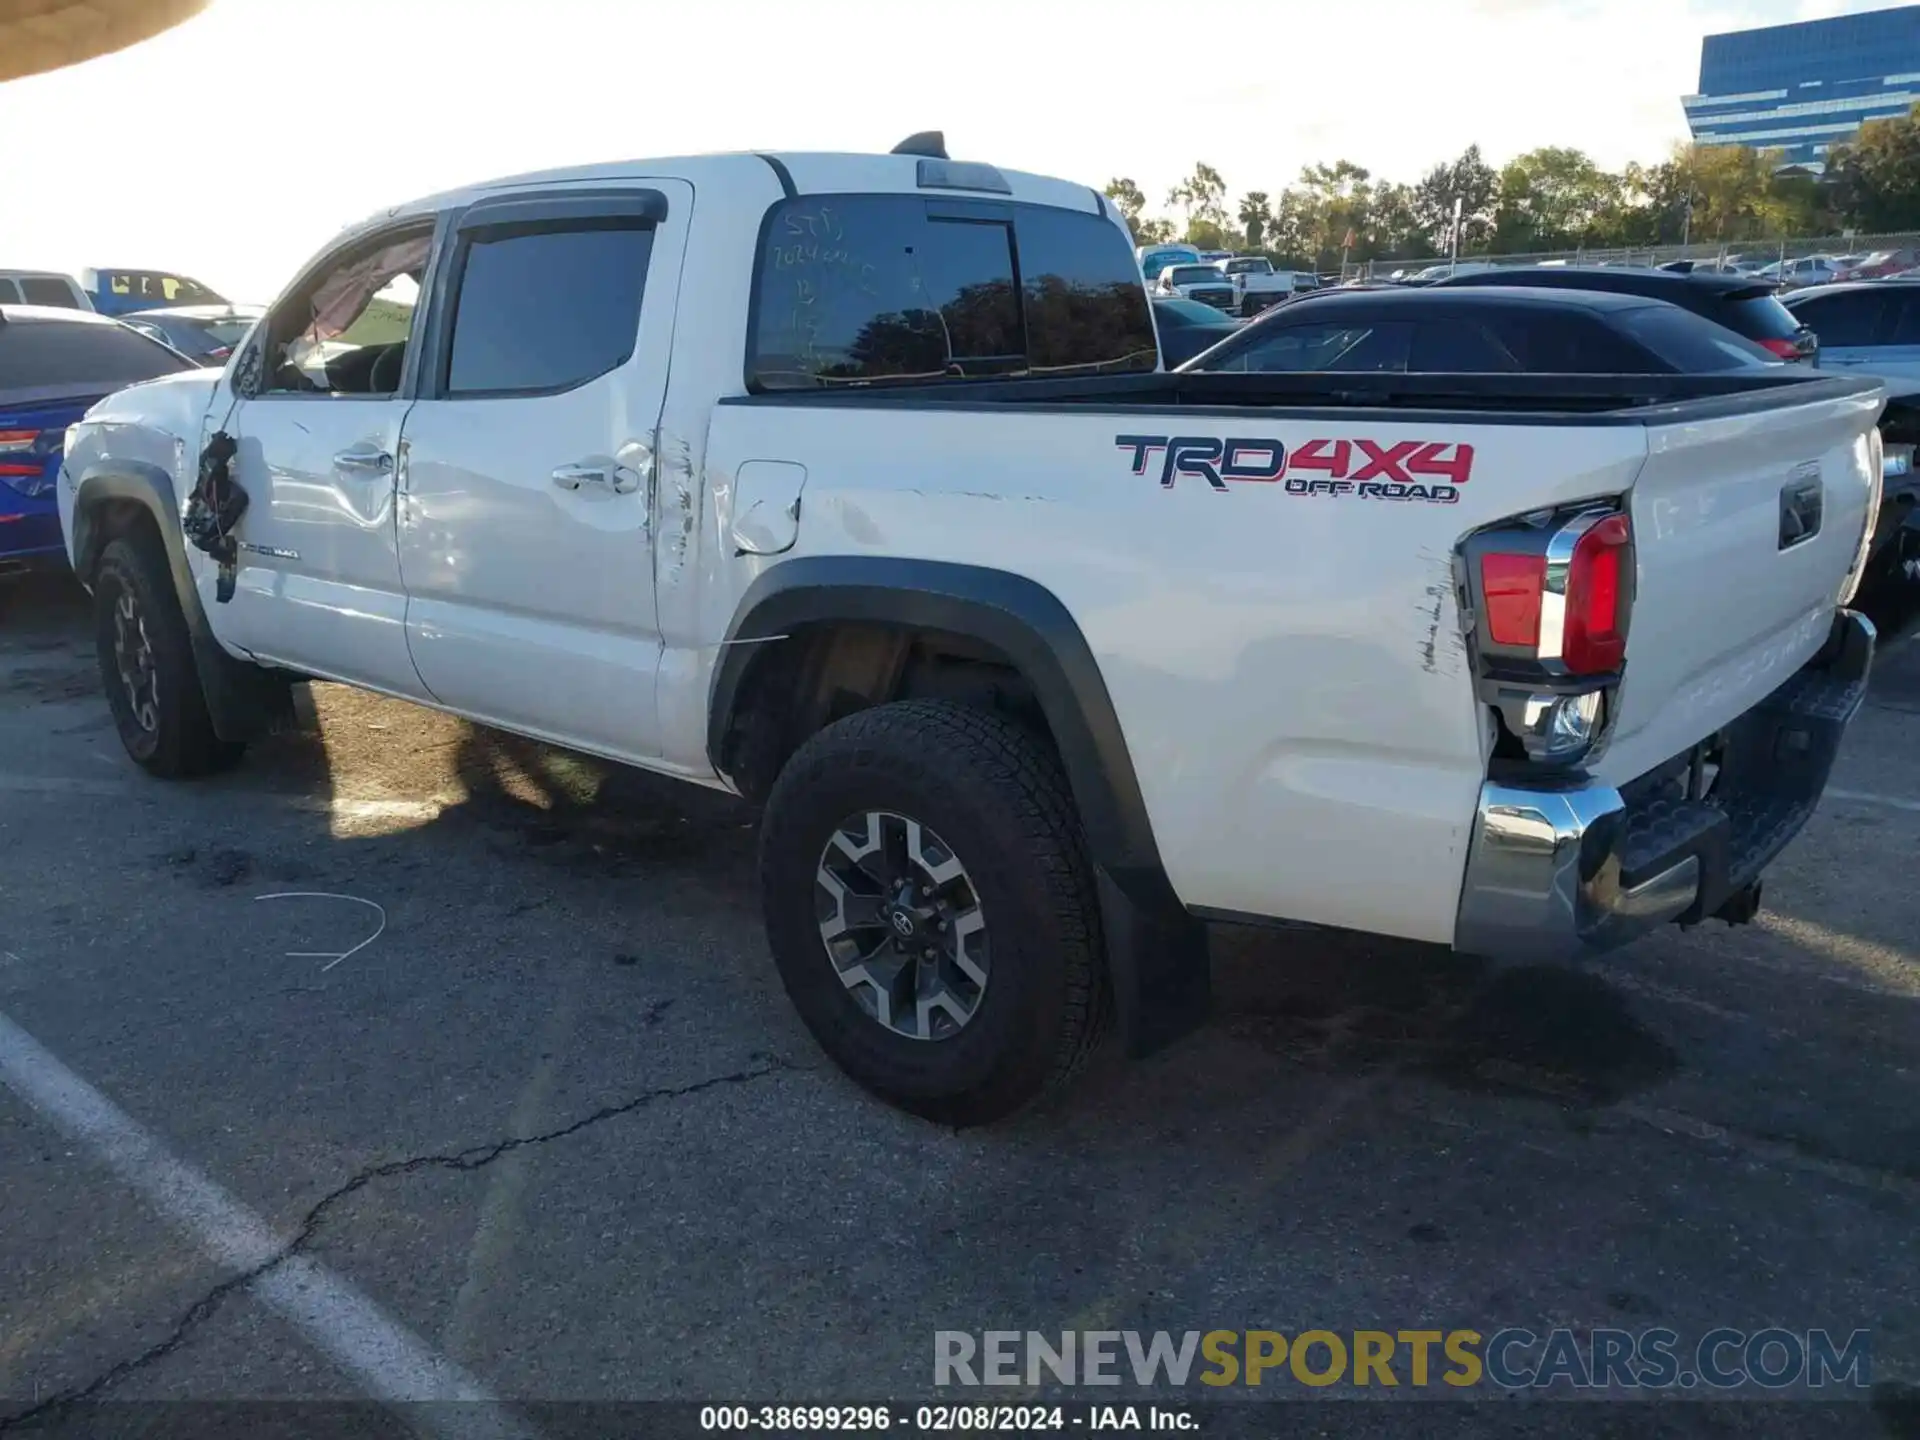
{"type": "Point", "coordinates": [1747, 525]}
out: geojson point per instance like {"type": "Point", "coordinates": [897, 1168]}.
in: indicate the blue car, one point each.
{"type": "Point", "coordinates": [54, 364]}
{"type": "Point", "coordinates": [121, 292]}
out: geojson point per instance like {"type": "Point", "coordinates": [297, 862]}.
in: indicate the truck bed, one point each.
{"type": "Point", "coordinates": [1288, 659]}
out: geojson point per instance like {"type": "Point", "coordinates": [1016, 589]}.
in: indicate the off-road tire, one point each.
{"type": "Point", "coordinates": [995, 793]}
{"type": "Point", "coordinates": [181, 742]}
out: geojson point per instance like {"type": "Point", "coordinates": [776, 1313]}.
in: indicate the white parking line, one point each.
{"type": "Point", "coordinates": [1862, 797]}
{"type": "Point", "coordinates": [392, 1364]}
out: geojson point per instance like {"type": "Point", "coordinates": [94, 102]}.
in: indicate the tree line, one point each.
{"type": "Point", "coordinates": [1552, 198]}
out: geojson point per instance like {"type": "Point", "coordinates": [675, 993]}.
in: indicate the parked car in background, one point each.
{"type": "Point", "coordinates": [1187, 327]}
{"type": "Point", "coordinates": [206, 333]}
{"type": "Point", "coordinates": [54, 364]}
{"type": "Point", "coordinates": [1495, 330]}
{"type": "Point", "coordinates": [121, 292]}
{"type": "Point", "coordinates": [1256, 284]}
{"type": "Point", "coordinates": [1447, 269]}
{"type": "Point", "coordinates": [1204, 283]}
{"type": "Point", "coordinates": [1872, 327]}
{"type": "Point", "coordinates": [42, 287]}
{"type": "Point", "coordinates": [1711, 266]}
{"type": "Point", "coordinates": [1807, 270]}
{"type": "Point", "coordinates": [1155, 258]}
{"type": "Point", "coordinates": [1882, 264]}
{"type": "Point", "coordinates": [1866, 325]}
{"type": "Point", "coordinates": [1746, 306]}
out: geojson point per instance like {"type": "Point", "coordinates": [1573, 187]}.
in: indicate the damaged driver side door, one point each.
{"type": "Point", "coordinates": [328, 382]}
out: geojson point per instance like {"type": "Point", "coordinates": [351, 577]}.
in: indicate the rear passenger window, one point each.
{"type": "Point", "coordinates": [853, 289]}
{"type": "Point", "coordinates": [1459, 347]}
{"type": "Point", "coordinates": [544, 307]}
{"type": "Point", "coordinates": [45, 290]}
{"type": "Point", "coordinates": [1568, 344]}
{"type": "Point", "coordinates": [1904, 326]}
{"type": "Point", "coordinates": [1348, 347]}
{"type": "Point", "coordinates": [1851, 317]}
{"type": "Point", "coordinates": [1690, 344]}
{"type": "Point", "coordinates": [9, 293]}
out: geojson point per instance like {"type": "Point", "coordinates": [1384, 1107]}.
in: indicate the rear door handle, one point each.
{"type": "Point", "coordinates": [369, 462]}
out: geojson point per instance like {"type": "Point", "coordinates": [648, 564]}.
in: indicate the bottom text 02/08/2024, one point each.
{"type": "Point", "coordinates": [939, 1419]}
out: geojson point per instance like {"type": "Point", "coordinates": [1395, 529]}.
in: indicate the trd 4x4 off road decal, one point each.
{"type": "Point", "coordinates": [1424, 470]}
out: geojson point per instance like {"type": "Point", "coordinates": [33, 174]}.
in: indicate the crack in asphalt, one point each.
{"type": "Point", "coordinates": [473, 1157]}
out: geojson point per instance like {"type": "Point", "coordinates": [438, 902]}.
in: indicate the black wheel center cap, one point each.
{"type": "Point", "coordinates": [905, 924]}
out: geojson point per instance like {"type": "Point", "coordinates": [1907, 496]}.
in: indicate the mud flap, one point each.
{"type": "Point", "coordinates": [1157, 962]}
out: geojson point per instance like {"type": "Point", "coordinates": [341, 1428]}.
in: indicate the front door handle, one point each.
{"type": "Point", "coordinates": [617, 478]}
{"type": "Point", "coordinates": [572, 477]}
{"type": "Point", "coordinates": [370, 462]}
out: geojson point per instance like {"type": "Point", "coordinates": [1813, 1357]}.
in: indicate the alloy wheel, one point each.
{"type": "Point", "coordinates": [902, 924]}
{"type": "Point", "coordinates": [133, 659]}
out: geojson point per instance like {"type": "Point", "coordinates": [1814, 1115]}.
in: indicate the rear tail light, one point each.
{"type": "Point", "coordinates": [1512, 586]}
{"type": "Point", "coordinates": [23, 459]}
{"type": "Point", "coordinates": [1560, 602]}
{"type": "Point", "coordinates": [1548, 599]}
{"type": "Point", "coordinates": [1594, 639]}
{"type": "Point", "coordinates": [220, 352]}
{"type": "Point", "coordinates": [1784, 349]}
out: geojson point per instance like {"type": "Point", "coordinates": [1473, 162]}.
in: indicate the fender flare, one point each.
{"type": "Point", "coordinates": [243, 700]}
{"type": "Point", "coordinates": [1156, 949]}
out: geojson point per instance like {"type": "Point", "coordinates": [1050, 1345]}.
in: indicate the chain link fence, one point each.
{"type": "Point", "coordinates": [1750, 253]}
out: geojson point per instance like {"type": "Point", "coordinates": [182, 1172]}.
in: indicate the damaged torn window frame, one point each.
{"type": "Point", "coordinates": [335, 294]}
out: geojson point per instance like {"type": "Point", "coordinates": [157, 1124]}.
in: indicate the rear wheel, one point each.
{"type": "Point", "coordinates": [931, 908]}
{"type": "Point", "coordinates": [147, 666]}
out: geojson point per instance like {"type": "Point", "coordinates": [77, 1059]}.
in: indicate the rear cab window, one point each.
{"type": "Point", "coordinates": [866, 289]}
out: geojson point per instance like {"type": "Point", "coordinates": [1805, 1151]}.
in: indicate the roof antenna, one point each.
{"type": "Point", "coordinates": [930, 143]}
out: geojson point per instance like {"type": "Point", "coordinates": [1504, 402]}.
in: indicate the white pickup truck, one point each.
{"type": "Point", "coordinates": [852, 484]}
{"type": "Point", "coordinates": [1257, 285]}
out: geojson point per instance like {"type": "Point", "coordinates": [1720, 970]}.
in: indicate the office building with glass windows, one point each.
{"type": "Point", "coordinates": [1805, 87]}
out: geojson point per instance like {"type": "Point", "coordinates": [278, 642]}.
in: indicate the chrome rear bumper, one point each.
{"type": "Point", "coordinates": [1558, 872]}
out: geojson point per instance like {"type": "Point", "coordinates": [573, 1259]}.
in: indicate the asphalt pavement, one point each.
{"type": "Point", "coordinates": [412, 1059]}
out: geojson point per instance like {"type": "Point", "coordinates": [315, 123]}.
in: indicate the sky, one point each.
{"type": "Point", "coordinates": [232, 148]}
